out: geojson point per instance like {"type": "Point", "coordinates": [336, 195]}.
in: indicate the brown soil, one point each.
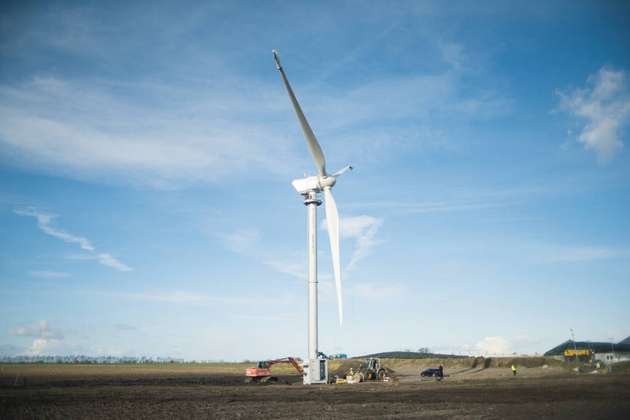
{"type": "Point", "coordinates": [474, 393]}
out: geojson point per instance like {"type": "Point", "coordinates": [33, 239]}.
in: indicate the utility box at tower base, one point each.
{"type": "Point", "coordinates": [315, 371]}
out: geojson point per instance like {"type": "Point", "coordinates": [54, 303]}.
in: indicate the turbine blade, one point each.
{"type": "Point", "coordinates": [343, 170]}
{"type": "Point", "coordinates": [313, 144]}
{"type": "Point", "coordinates": [332, 218]}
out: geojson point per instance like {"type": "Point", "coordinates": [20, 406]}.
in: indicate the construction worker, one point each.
{"type": "Point", "coordinates": [513, 370]}
{"type": "Point", "coordinates": [441, 373]}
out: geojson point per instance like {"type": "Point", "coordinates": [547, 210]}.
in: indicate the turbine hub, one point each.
{"type": "Point", "coordinates": [327, 181]}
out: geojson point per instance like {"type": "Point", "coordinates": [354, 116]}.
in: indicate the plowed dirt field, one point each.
{"type": "Point", "coordinates": [163, 394]}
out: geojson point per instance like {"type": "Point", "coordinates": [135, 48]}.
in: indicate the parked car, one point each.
{"type": "Point", "coordinates": [431, 373]}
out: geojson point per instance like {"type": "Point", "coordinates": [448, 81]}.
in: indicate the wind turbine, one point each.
{"type": "Point", "coordinates": [316, 369]}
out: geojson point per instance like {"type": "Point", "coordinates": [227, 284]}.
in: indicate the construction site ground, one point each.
{"type": "Point", "coordinates": [472, 389]}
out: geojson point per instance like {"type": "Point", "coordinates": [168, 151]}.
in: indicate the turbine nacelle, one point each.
{"type": "Point", "coordinates": [313, 184]}
{"type": "Point", "coordinates": [318, 183]}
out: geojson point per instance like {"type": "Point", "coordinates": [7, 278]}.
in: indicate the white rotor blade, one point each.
{"type": "Point", "coordinates": [343, 170]}
{"type": "Point", "coordinates": [332, 218]}
{"type": "Point", "coordinates": [313, 144]}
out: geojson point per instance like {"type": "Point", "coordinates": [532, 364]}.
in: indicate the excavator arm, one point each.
{"type": "Point", "coordinates": [263, 370]}
{"type": "Point", "coordinates": [289, 360]}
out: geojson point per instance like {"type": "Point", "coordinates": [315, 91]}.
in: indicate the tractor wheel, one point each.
{"type": "Point", "coordinates": [381, 374]}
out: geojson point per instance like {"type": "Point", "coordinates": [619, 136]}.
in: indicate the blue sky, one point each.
{"type": "Point", "coordinates": [147, 150]}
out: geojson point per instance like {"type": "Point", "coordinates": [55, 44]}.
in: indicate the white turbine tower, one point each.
{"type": "Point", "coordinates": [316, 369]}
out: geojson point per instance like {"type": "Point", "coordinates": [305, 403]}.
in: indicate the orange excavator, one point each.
{"type": "Point", "coordinates": [262, 372]}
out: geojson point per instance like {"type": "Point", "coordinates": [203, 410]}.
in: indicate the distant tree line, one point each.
{"type": "Point", "coordinates": [81, 359]}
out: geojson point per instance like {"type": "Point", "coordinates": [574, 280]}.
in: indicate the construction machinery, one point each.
{"type": "Point", "coordinates": [578, 355]}
{"type": "Point", "coordinates": [372, 370]}
{"type": "Point", "coordinates": [262, 372]}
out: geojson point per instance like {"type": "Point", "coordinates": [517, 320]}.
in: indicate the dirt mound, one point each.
{"type": "Point", "coordinates": [569, 397]}
{"type": "Point", "coordinates": [622, 367]}
{"type": "Point", "coordinates": [407, 367]}
{"type": "Point", "coordinates": [412, 355]}
{"type": "Point", "coordinates": [342, 368]}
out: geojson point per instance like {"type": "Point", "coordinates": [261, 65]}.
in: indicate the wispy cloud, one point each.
{"type": "Point", "coordinates": [604, 103]}
{"type": "Point", "coordinates": [364, 228]}
{"type": "Point", "coordinates": [355, 226]}
{"type": "Point", "coordinates": [247, 242]}
{"type": "Point", "coordinates": [364, 245]}
{"type": "Point", "coordinates": [88, 129]}
{"type": "Point", "coordinates": [165, 135]}
{"type": "Point", "coordinates": [463, 201]}
{"type": "Point", "coordinates": [109, 261]}
{"type": "Point", "coordinates": [102, 258]}
{"type": "Point", "coordinates": [44, 223]}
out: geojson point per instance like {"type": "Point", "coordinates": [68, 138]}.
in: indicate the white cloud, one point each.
{"type": "Point", "coordinates": [43, 222]}
{"type": "Point", "coordinates": [162, 134]}
{"type": "Point", "coordinates": [364, 228]}
{"type": "Point", "coordinates": [170, 136]}
{"type": "Point", "coordinates": [494, 346]}
{"type": "Point", "coordinates": [604, 103]}
{"type": "Point", "coordinates": [354, 227]}
{"type": "Point", "coordinates": [109, 261]}
{"type": "Point", "coordinates": [39, 346]}
{"type": "Point", "coordinates": [40, 330]}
